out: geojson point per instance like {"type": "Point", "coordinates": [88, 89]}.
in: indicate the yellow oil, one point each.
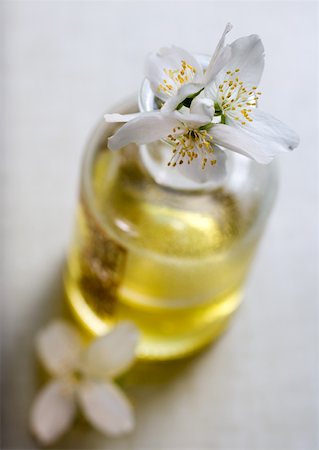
{"type": "Point", "coordinates": [173, 263]}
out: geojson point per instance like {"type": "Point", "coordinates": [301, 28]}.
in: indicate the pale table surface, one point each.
{"type": "Point", "coordinates": [65, 64]}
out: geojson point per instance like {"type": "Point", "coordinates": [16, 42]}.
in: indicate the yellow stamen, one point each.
{"type": "Point", "coordinates": [235, 97]}
{"type": "Point", "coordinates": [191, 145]}
{"type": "Point", "coordinates": [176, 78]}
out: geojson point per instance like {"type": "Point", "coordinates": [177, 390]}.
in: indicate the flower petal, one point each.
{"type": "Point", "coordinates": [192, 120]}
{"type": "Point", "coordinates": [52, 412]}
{"type": "Point", "coordinates": [268, 128]}
{"type": "Point", "coordinates": [214, 174]}
{"type": "Point", "coordinates": [155, 157]}
{"type": "Point", "coordinates": [220, 57]}
{"type": "Point", "coordinates": [106, 407]}
{"type": "Point", "coordinates": [111, 354]}
{"type": "Point", "coordinates": [145, 128]}
{"type": "Point", "coordinates": [58, 346]}
{"type": "Point", "coordinates": [184, 91]}
{"type": "Point", "coordinates": [247, 55]}
{"type": "Point", "coordinates": [203, 106]}
{"type": "Point", "coordinates": [241, 142]}
{"type": "Point", "coordinates": [168, 58]}
{"type": "Point", "coordinates": [114, 117]}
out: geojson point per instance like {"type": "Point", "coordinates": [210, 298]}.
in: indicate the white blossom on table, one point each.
{"type": "Point", "coordinates": [82, 377]}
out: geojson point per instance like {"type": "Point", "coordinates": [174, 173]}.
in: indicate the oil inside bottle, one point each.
{"type": "Point", "coordinates": [173, 262]}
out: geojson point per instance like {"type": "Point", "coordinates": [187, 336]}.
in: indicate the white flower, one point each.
{"type": "Point", "coordinates": [175, 74]}
{"type": "Point", "coordinates": [235, 96]}
{"type": "Point", "coordinates": [190, 133]}
{"type": "Point", "coordinates": [206, 112]}
{"type": "Point", "coordinates": [83, 375]}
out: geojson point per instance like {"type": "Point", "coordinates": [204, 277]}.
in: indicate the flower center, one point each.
{"type": "Point", "coordinates": [176, 78]}
{"type": "Point", "coordinates": [235, 99]}
{"type": "Point", "coordinates": [190, 145]}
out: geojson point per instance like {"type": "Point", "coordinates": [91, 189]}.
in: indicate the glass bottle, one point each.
{"type": "Point", "coordinates": [171, 257]}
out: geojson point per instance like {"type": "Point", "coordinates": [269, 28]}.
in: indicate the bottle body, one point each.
{"type": "Point", "coordinates": [173, 261]}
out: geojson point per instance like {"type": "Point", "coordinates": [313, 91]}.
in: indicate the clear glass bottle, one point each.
{"type": "Point", "coordinates": [173, 260]}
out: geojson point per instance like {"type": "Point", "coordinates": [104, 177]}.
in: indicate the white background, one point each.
{"type": "Point", "coordinates": [65, 64]}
